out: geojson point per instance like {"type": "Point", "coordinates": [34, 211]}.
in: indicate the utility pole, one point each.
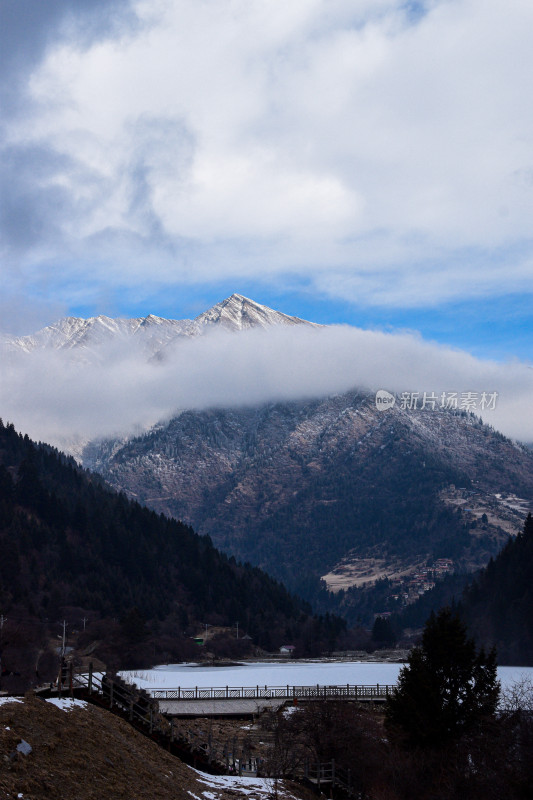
{"type": "Point", "coordinates": [64, 639]}
{"type": "Point", "coordinates": [63, 666]}
{"type": "Point", "coordinates": [237, 624]}
{"type": "Point", "coordinates": [84, 620]}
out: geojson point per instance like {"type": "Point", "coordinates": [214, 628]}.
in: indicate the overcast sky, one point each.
{"type": "Point", "coordinates": [351, 161]}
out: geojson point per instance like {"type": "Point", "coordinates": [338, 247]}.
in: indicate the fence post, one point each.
{"type": "Point", "coordinates": [90, 684]}
{"type": "Point", "coordinates": [131, 710]}
{"type": "Point", "coordinates": [151, 720]}
{"type": "Point", "coordinates": [70, 678]}
{"type": "Point", "coordinates": [110, 694]}
{"type": "Point", "coordinates": [227, 692]}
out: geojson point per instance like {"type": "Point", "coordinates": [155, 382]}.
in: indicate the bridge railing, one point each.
{"type": "Point", "coordinates": [349, 691]}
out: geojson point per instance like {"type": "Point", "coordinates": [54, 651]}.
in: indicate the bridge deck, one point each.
{"type": "Point", "coordinates": [213, 708]}
{"type": "Point", "coordinates": [226, 700]}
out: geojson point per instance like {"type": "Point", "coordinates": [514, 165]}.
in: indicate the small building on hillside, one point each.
{"type": "Point", "coordinates": [287, 649]}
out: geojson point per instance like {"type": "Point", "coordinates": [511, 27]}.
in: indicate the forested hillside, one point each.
{"type": "Point", "coordinates": [498, 604]}
{"type": "Point", "coordinates": [495, 602]}
{"type": "Point", "coordinates": [341, 489]}
{"type": "Point", "coordinates": [68, 541]}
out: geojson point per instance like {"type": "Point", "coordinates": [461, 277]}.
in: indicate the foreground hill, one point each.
{"type": "Point", "coordinates": [85, 753]}
{"type": "Point", "coordinates": [67, 541]}
{"type": "Point", "coordinates": [331, 488]}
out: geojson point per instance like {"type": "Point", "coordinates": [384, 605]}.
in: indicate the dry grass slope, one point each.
{"type": "Point", "coordinates": [89, 754]}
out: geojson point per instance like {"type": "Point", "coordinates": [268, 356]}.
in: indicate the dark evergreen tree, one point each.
{"type": "Point", "coordinates": [446, 689]}
{"type": "Point", "coordinates": [383, 634]}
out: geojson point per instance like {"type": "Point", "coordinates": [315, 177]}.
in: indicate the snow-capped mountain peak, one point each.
{"type": "Point", "coordinates": [239, 313]}
{"type": "Point", "coordinates": [235, 313]}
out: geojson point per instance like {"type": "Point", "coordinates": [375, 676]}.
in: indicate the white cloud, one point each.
{"type": "Point", "coordinates": [53, 396]}
{"type": "Point", "coordinates": [350, 142]}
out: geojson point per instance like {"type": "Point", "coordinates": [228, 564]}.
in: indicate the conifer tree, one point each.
{"type": "Point", "coordinates": [447, 687]}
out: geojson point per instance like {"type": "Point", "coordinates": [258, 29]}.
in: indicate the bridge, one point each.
{"type": "Point", "coordinates": [222, 752]}
{"type": "Point", "coordinates": [235, 701]}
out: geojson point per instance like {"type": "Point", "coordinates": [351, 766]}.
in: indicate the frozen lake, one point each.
{"type": "Point", "coordinates": [293, 673]}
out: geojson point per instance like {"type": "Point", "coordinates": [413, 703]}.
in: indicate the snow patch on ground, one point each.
{"type": "Point", "coordinates": [260, 788]}
{"type": "Point", "coordinates": [290, 710]}
{"type": "Point", "coordinates": [4, 700]}
{"type": "Point", "coordinates": [66, 703]}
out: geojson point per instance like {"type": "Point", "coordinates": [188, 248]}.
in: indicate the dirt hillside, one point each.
{"type": "Point", "coordinates": [85, 753]}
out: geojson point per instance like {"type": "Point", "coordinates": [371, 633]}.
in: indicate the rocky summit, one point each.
{"type": "Point", "coordinates": [235, 313]}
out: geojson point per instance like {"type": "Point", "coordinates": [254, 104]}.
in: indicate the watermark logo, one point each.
{"type": "Point", "coordinates": [384, 400]}
{"type": "Point", "coordinates": [421, 401]}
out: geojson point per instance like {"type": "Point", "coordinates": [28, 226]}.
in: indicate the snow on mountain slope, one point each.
{"type": "Point", "coordinates": [319, 483]}
{"type": "Point", "coordinates": [271, 441]}
{"type": "Point", "coordinates": [236, 313]}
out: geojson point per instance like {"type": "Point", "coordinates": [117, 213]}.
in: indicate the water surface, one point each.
{"type": "Point", "coordinates": [292, 673]}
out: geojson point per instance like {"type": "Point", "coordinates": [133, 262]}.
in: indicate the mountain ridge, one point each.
{"type": "Point", "coordinates": [333, 485]}
{"type": "Point", "coordinates": [347, 491]}
{"type": "Point", "coordinates": [235, 313]}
